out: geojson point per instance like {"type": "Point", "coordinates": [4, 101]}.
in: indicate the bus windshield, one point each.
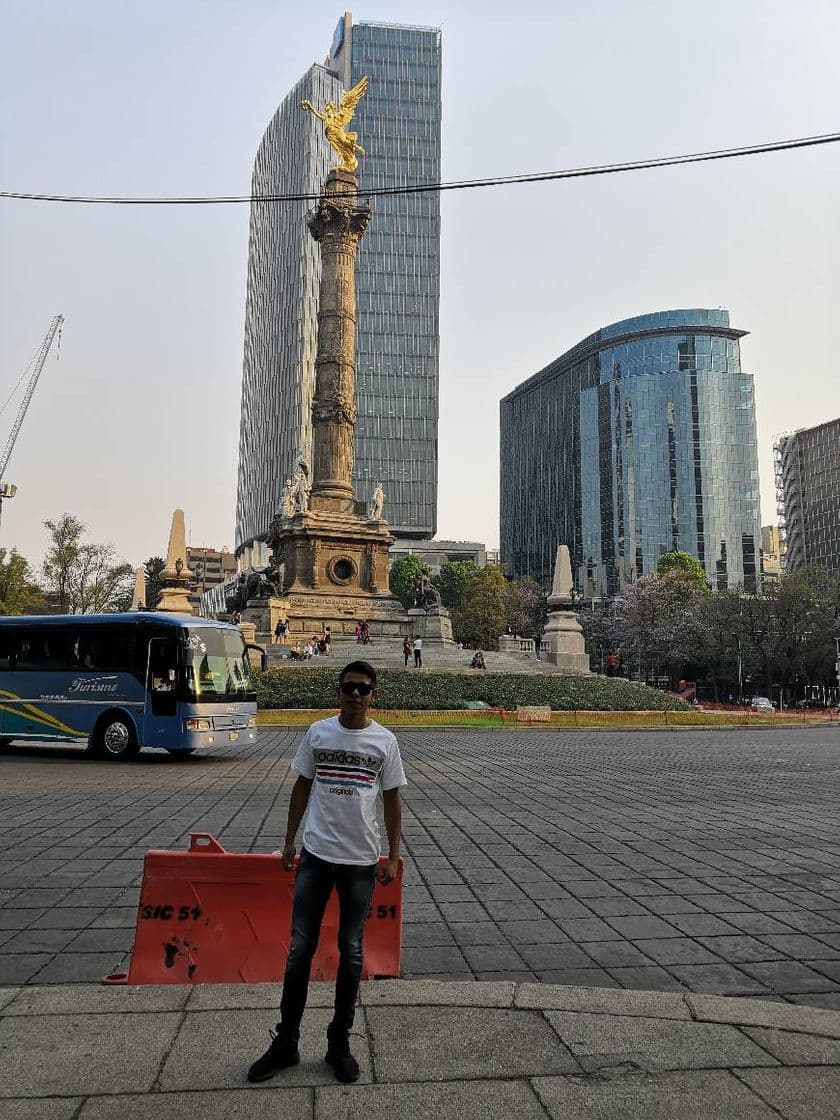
{"type": "Point", "coordinates": [216, 666]}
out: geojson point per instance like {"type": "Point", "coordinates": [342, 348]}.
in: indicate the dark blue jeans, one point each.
{"type": "Point", "coordinates": [313, 886]}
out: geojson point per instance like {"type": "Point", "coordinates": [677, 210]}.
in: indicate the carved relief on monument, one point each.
{"type": "Point", "coordinates": [370, 555]}
{"type": "Point", "coordinates": [316, 555]}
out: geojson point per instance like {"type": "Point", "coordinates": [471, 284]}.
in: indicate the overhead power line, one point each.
{"type": "Point", "coordinates": [459, 185]}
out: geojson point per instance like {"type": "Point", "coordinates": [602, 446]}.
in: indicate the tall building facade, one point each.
{"type": "Point", "coordinates": [638, 441]}
{"type": "Point", "coordinates": [398, 284]}
{"type": "Point", "coordinates": [808, 490]}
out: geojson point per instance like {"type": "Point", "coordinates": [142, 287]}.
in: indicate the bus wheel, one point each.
{"type": "Point", "coordinates": [183, 752]}
{"type": "Point", "coordinates": [114, 739]}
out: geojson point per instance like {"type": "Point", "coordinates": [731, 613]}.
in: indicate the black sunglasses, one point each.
{"type": "Point", "coordinates": [349, 687]}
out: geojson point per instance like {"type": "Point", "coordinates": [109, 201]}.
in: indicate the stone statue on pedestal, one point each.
{"type": "Point", "coordinates": [377, 502]}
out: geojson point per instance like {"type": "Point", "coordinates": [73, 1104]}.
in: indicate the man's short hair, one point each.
{"type": "Point", "coordinates": [361, 667]}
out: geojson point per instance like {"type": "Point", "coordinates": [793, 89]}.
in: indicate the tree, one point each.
{"type": "Point", "coordinates": [662, 623]}
{"type": "Point", "coordinates": [100, 583]}
{"type": "Point", "coordinates": [84, 577]}
{"type": "Point", "coordinates": [19, 593]}
{"type": "Point", "coordinates": [153, 568]}
{"type": "Point", "coordinates": [527, 608]}
{"type": "Point", "coordinates": [684, 565]}
{"type": "Point", "coordinates": [405, 575]}
{"type": "Point", "coordinates": [62, 557]}
{"type": "Point", "coordinates": [454, 579]}
{"type": "Point", "coordinates": [483, 614]}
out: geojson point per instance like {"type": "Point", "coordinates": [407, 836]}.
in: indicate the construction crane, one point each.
{"type": "Point", "coordinates": [8, 489]}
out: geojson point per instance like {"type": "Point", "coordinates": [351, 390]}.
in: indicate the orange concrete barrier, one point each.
{"type": "Point", "coordinates": [207, 916]}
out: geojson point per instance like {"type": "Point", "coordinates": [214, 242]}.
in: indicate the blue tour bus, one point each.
{"type": "Point", "coordinates": [119, 682]}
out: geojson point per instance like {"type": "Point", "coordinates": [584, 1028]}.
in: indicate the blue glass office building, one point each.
{"type": "Point", "coordinates": [639, 440]}
{"type": "Point", "coordinates": [397, 282]}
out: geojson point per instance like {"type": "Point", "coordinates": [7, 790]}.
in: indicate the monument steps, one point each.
{"type": "Point", "coordinates": [387, 654]}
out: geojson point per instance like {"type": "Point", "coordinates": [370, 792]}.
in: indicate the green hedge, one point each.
{"type": "Point", "coordinates": [315, 688]}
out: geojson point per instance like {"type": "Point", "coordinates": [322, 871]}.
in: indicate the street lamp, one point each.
{"type": "Point", "coordinates": [7, 490]}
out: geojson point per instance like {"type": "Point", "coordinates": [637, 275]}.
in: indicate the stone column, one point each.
{"type": "Point", "coordinates": [338, 225]}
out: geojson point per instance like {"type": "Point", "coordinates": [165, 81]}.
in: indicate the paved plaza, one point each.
{"type": "Point", "coordinates": [692, 861]}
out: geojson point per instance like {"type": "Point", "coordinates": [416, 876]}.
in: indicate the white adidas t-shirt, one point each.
{"type": "Point", "coordinates": [348, 770]}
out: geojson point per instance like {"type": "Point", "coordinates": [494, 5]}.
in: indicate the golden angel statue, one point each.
{"type": "Point", "coordinates": [335, 118]}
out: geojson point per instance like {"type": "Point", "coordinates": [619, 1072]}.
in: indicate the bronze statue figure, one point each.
{"type": "Point", "coordinates": [336, 118]}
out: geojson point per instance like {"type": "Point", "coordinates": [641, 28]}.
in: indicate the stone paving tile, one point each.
{"type": "Point", "coordinates": [437, 959]}
{"type": "Point", "coordinates": [71, 1055]}
{"type": "Point", "coordinates": [480, 1042]}
{"type": "Point", "coordinates": [255, 1104]}
{"type": "Point", "coordinates": [760, 1013]}
{"type": "Point", "coordinates": [648, 1005]}
{"type": "Point", "coordinates": [670, 904]}
{"type": "Point", "coordinates": [790, 976]}
{"type": "Point", "coordinates": [237, 1038]}
{"type": "Point", "coordinates": [40, 940]}
{"type": "Point", "coordinates": [78, 968]}
{"type": "Point", "coordinates": [797, 1093]}
{"type": "Point", "coordinates": [794, 1049]}
{"type": "Point", "coordinates": [427, 933]}
{"type": "Point", "coordinates": [566, 956]}
{"type": "Point", "coordinates": [493, 958]}
{"type": "Point", "coordinates": [831, 969]}
{"type": "Point", "coordinates": [740, 949]}
{"type": "Point", "coordinates": [675, 950]}
{"type": "Point", "coordinates": [452, 1100]}
{"type": "Point", "coordinates": [718, 979]}
{"type": "Point", "coordinates": [616, 954]}
{"type": "Point", "coordinates": [664, 1096]}
{"type": "Point", "coordinates": [636, 928]}
{"type": "Point", "coordinates": [89, 999]}
{"type": "Point", "coordinates": [56, 1108]}
{"type": "Point", "coordinates": [19, 968]}
{"type": "Point", "coordinates": [578, 977]}
{"type": "Point", "coordinates": [758, 924]}
{"type": "Point", "coordinates": [588, 929]}
{"type": "Point", "coordinates": [477, 933]}
{"type": "Point", "coordinates": [802, 946]}
{"type": "Point", "coordinates": [646, 978]}
{"type": "Point", "coordinates": [804, 921]}
{"type": "Point", "coordinates": [701, 925]}
{"type": "Point", "coordinates": [599, 1041]}
{"type": "Point", "coordinates": [12, 917]}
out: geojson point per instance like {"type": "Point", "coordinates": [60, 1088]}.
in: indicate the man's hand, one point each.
{"type": "Point", "coordinates": [386, 872]}
{"type": "Point", "coordinates": [289, 852]}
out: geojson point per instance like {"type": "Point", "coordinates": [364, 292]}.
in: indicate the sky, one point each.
{"type": "Point", "coordinates": [140, 412]}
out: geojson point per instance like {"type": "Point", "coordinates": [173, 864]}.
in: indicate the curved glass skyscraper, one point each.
{"type": "Point", "coordinates": [397, 280]}
{"type": "Point", "coordinates": [639, 440]}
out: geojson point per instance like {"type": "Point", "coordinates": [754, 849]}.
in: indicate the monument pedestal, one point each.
{"type": "Point", "coordinates": [433, 626]}
{"type": "Point", "coordinates": [566, 647]}
{"type": "Point", "coordinates": [335, 574]}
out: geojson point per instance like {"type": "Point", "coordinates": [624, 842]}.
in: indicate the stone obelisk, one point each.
{"type": "Point", "coordinates": [176, 576]}
{"type": "Point", "coordinates": [566, 646]}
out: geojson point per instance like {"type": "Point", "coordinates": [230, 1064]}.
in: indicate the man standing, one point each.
{"type": "Point", "coordinates": [343, 763]}
{"type": "Point", "coordinates": [417, 646]}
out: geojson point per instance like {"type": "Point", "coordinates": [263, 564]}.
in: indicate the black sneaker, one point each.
{"type": "Point", "coordinates": [344, 1065]}
{"type": "Point", "coordinates": [280, 1054]}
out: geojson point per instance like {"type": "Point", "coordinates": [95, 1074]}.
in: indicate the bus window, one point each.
{"type": "Point", "coordinates": [39, 651]}
{"type": "Point", "coordinates": [106, 650]}
{"type": "Point", "coordinates": [163, 675]}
